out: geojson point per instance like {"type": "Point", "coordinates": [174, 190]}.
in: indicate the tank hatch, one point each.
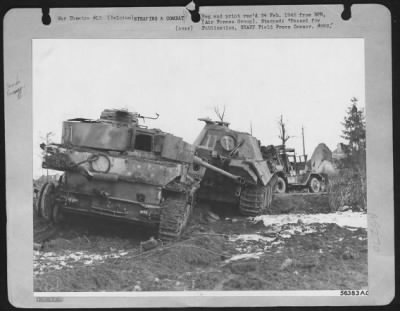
{"type": "Point", "coordinates": [120, 116]}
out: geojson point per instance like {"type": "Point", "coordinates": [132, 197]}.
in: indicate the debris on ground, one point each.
{"type": "Point", "coordinates": [37, 246]}
{"type": "Point", "coordinates": [344, 208]}
{"type": "Point", "coordinates": [212, 217]}
{"type": "Point", "coordinates": [286, 263]}
{"type": "Point", "coordinates": [149, 244]}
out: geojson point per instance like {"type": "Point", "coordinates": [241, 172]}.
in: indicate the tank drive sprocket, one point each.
{"type": "Point", "coordinates": [254, 200]}
{"type": "Point", "coordinates": [175, 212]}
{"type": "Point", "coordinates": [46, 201]}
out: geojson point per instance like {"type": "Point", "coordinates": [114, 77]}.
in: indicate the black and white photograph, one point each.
{"type": "Point", "coordinates": [199, 157]}
{"type": "Point", "coordinates": [184, 165]}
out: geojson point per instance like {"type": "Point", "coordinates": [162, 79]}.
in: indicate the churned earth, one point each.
{"type": "Point", "coordinates": [310, 249]}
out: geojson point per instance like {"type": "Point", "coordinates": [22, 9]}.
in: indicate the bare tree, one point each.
{"type": "Point", "coordinates": [220, 114]}
{"type": "Point", "coordinates": [283, 136]}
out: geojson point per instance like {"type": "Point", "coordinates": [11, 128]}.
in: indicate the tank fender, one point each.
{"type": "Point", "coordinates": [261, 170]}
{"type": "Point", "coordinates": [244, 166]}
{"type": "Point", "coordinates": [258, 169]}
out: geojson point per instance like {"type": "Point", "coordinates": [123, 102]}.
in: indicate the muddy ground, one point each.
{"type": "Point", "coordinates": [309, 249]}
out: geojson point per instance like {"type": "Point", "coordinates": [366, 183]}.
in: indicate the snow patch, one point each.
{"type": "Point", "coordinates": [251, 237]}
{"type": "Point", "coordinates": [244, 256]}
{"type": "Point", "coordinates": [279, 228]}
{"type": "Point", "coordinates": [48, 261]}
{"type": "Point", "coordinates": [342, 219]}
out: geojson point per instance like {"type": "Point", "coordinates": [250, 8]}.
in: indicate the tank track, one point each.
{"type": "Point", "coordinates": [175, 212]}
{"type": "Point", "coordinates": [254, 200]}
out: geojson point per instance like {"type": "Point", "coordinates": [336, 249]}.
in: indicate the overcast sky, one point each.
{"type": "Point", "coordinates": [309, 81]}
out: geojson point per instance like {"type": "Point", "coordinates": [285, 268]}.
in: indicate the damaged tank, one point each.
{"type": "Point", "coordinates": [116, 168]}
{"type": "Point", "coordinates": [231, 168]}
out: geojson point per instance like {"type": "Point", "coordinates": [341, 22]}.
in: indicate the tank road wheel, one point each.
{"type": "Point", "coordinates": [46, 201]}
{"type": "Point", "coordinates": [314, 185]}
{"type": "Point", "coordinates": [254, 200]}
{"type": "Point", "coordinates": [280, 186]}
{"type": "Point", "coordinates": [175, 213]}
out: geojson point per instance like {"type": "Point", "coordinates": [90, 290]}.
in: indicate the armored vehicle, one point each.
{"type": "Point", "coordinates": [116, 168]}
{"type": "Point", "coordinates": [292, 170]}
{"type": "Point", "coordinates": [231, 169]}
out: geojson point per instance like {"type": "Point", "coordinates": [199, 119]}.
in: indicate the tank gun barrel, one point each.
{"type": "Point", "coordinates": [199, 161]}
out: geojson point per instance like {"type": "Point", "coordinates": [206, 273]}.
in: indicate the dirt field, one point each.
{"type": "Point", "coordinates": [295, 251]}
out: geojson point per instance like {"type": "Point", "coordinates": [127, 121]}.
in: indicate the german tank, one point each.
{"type": "Point", "coordinates": [116, 168]}
{"type": "Point", "coordinates": [231, 168]}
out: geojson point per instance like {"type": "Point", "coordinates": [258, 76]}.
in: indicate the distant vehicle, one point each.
{"type": "Point", "coordinates": [292, 170]}
{"type": "Point", "coordinates": [231, 168]}
{"type": "Point", "coordinates": [116, 168]}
